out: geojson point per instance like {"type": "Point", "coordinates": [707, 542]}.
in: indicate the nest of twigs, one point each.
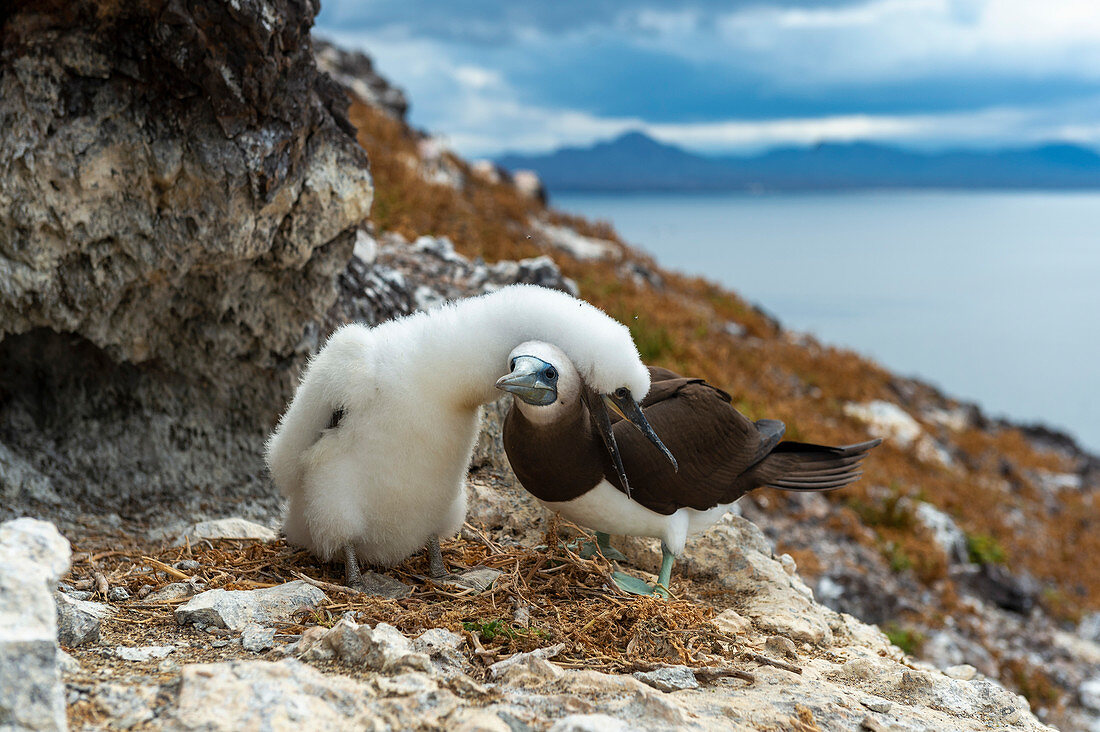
{"type": "Point", "coordinates": [545, 596]}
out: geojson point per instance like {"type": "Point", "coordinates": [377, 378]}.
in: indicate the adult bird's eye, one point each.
{"type": "Point", "coordinates": [551, 373]}
{"type": "Point", "coordinates": [621, 392]}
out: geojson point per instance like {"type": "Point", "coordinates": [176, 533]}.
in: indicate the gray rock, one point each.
{"type": "Point", "coordinates": [170, 592]}
{"type": "Point", "coordinates": [79, 621]}
{"type": "Point", "coordinates": [177, 199]}
{"type": "Point", "coordinates": [590, 723]}
{"type": "Point", "coordinates": [237, 608]}
{"type": "Point", "coordinates": [668, 678]}
{"type": "Point", "coordinates": [141, 654]}
{"type": "Point", "coordinates": [882, 706]}
{"type": "Point", "coordinates": [277, 696]}
{"type": "Point", "coordinates": [944, 530]}
{"type": "Point", "coordinates": [1089, 627]}
{"type": "Point", "coordinates": [780, 647]}
{"type": "Point", "coordinates": [962, 672]}
{"type": "Point", "coordinates": [478, 580]}
{"type": "Point", "coordinates": [127, 706]}
{"type": "Point", "coordinates": [33, 556]}
{"type": "Point", "coordinates": [532, 662]}
{"type": "Point", "coordinates": [257, 638]}
{"type": "Point", "coordinates": [383, 648]}
{"type": "Point", "coordinates": [118, 594]}
{"type": "Point", "coordinates": [226, 528]}
{"type": "Point", "coordinates": [1089, 693]}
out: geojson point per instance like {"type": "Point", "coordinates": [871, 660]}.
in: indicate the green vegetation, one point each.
{"type": "Point", "coordinates": [984, 549]}
{"type": "Point", "coordinates": [907, 639]}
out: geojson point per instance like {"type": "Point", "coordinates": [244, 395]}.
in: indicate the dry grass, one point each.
{"type": "Point", "coordinates": [567, 599]}
{"type": "Point", "coordinates": [804, 384]}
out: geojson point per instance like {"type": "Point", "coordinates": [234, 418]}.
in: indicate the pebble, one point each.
{"type": "Point", "coordinates": [782, 647]}
{"type": "Point", "coordinates": [882, 706]}
{"type": "Point", "coordinates": [256, 638]}
{"type": "Point", "coordinates": [668, 678]}
{"type": "Point", "coordinates": [962, 672]}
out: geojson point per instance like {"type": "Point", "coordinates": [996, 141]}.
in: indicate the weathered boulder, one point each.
{"type": "Point", "coordinates": [235, 609]}
{"type": "Point", "coordinates": [179, 188]}
{"type": "Point", "coordinates": [33, 556]}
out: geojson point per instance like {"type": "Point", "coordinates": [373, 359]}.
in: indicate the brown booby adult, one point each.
{"type": "Point", "coordinates": [566, 450]}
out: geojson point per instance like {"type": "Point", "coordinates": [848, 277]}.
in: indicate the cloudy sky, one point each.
{"type": "Point", "coordinates": [739, 75]}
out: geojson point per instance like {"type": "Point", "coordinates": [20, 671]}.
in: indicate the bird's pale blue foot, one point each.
{"type": "Point", "coordinates": [635, 586]}
{"type": "Point", "coordinates": [603, 546]}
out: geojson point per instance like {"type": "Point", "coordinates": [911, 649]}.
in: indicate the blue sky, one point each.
{"type": "Point", "coordinates": [492, 76]}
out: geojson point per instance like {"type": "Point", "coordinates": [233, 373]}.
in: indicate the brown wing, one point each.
{"type": "Point", "coordinates": [712, 441]}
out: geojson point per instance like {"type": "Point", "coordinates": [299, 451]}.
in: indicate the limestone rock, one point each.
{"type": "Point", "coordinates": [127, 706]}
{"type": "Point", "coordinates": [78, 621]}
{"type": "Point", "coordinates": [227, 528]}
{"type": "Point", "coordinates": [257, 638]}
{"type": "Point", "coordinates": [527, 661]}
{"type": "Point", "coordinates": [33, 556]}
{"type": "Point", "coordinates": [668, 678]}
{"type": "Point", "coordinates": [234, 609]}
{"type": "Point", "coordinates": [141, 654]}
{"type": "Point", "coordinates": [277, 696]}
{"type": "Point", "coordinates": [590, 723]}
{"type": "Point", "coordinates": [382, 648]}
{"type": "Point", "coordinates": [179, 190]}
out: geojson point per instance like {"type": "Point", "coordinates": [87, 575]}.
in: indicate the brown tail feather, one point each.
{"type": "Point", "coordinates": [798, 466]}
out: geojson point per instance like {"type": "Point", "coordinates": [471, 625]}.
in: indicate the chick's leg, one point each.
{"type": "Point", "coordinates": [352, 576]}
{"type": "Point", "coordinates": [436, 568]}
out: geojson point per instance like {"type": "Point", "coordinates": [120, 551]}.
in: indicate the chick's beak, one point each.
{"type": "Point", "coordinates": [527, 383]}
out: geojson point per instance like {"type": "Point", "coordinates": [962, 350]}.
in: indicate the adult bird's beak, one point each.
{"type": "Point", "coordinates": [630, 410]}
{"type": "Point", "coordinates": [527, 382]}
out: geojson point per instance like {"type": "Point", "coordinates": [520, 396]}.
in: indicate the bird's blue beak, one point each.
{"type": "Point", "coordinates": [528, 381]}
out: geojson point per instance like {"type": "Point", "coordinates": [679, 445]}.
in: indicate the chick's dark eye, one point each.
{"type": "Point", "coordinates": [551, 373]}
{"type": "Point", "coordinates": [512, 365]}
{"type": "Point", "coordinates": [621, 392]}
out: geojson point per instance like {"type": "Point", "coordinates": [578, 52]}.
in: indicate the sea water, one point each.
{"type": "Point", "coordinates": [992, 296]}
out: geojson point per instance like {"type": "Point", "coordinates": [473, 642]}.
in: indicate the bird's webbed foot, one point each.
{"type": "Point", "coordinates": [603, 546]}
{"type": "Point", "coordinates": [371, 583]}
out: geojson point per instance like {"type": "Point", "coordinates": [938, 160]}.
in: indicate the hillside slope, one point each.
{"type": "Point", "coordinates": [964, 530]}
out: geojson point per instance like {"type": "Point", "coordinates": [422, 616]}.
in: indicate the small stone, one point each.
{"type": "Point", "coordinates": [380, 585]}
{"type": "Point", "coordinates": [171, 591]}
{"type": "Point", "coordinates": [1089, 693]}
{"type": "Point", "coordinates": [590, 723]}
{"type": "Point", "coordinates": [789, 565]}
{"type": "Point", "coordinates": [528, 670]}
{"type": "Point", "coordinates": [962, 672]}
{"type": "Point", "coordinates": [140, 654]}
{"type": "Point", "coordinates": [187, 565]}
{"type": "Point", "coordinates": [144, 591]}
{"type": "Point", "coordinates": [882, 706]}
{"type": "Point", "coordinates": [256, 638]}
{"type": "Point", "coordinates": [79, 621]}
{"type": "Point", "coordinates": [668, 678]}
{"type": "Point", "coordinates": [730, 623]}
{"type": "Point", "coordinates": [68, 664]}
{"type": "Point", "coordinates": [227, 528]}
{"type": "Point", "coordinates": [118, 594]}
{"type": "Point", "coordinates": [781, 647]}
{"type": "Point", "coordinates": [478, 580]}
{"type": "Point", "coordinates": [237, 608]}
{"type": "Point", "coordinates": [406, 684]}
{"type": "Point", "coordinates": [126, 706]}
{"type": "Point", "coordinates": [477, 720]}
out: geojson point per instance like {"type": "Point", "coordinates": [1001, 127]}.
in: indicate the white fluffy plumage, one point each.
{"type": "Point", "coordinates": [391, 473]}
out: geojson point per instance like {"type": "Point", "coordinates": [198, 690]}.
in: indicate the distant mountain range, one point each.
{"type": "Point", "coordinates": [636, 162]}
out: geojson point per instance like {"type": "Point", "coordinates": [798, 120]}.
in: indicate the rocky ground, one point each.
{"type": "Point", "coordinates": [174, 243]}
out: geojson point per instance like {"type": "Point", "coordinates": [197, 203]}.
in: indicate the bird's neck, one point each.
{"type": "Point", "coordinates": [465, 348]}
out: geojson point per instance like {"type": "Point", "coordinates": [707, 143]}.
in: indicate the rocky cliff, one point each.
{"type": "Point", "coordinates": [179, 187]}
{"type": "Point", "coordinates": [184, 219]}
